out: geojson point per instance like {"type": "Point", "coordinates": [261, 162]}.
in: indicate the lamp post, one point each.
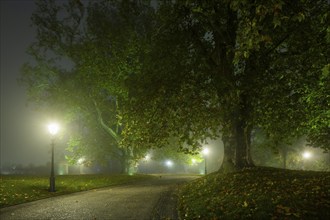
{"type": "Point", "coordinates": [205, 152]}
{"type": "Point", "coordinates": [53, 129]}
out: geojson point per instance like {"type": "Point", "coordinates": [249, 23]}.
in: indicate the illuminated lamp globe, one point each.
{"type": "Point", "coordinates": [169, 163]}
{"type": "Point", "coordinates": [307, 155]}
{"type": "Point", "coordinates": [206, 151]}
{"type": "Point", "coordinates": [53, 128]}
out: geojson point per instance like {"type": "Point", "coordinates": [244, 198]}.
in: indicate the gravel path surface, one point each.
{"type": "Point", "coordinates": [153, 199]}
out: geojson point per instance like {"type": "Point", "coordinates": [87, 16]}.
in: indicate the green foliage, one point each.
{"type": "Point", "coordinates": [294, 76]}
{"type": "Point", "coordinates": [19, 189]}
{"type": "Point", "coordinates": [188, 70]}
{"type": "Point", "coordinates": [83, 54]}
{"type": "Point", "coordinates": [318, 104]}
{"type": "Point", "coordinates": [252, 68]}
{"type": "Point", "coordinates": [174, 154]}
{"type": "Point", "coordinates": [258, 193]}
{"type": "Point", "coordinates": [268, 152]}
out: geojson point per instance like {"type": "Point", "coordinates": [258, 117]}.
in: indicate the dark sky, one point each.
{"type": "Point", "coordinates": [24, 137]}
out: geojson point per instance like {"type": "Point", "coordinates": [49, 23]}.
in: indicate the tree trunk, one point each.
{"type": "Point", "coordinates": [228, 164]}
{"type": "Point", "coordinates": [125, 165]}
{"type": "Point", "coordinates": [123, 162]}
{"type": "Point", "coordinates": [236, 150]}
{"type": "Point", "coordinates": [248, 136]}
{"type": "Point", "coordinates": [237, 141]}
{"type": "Point", "coordinates": [241, 159]}
{"type": "Point", "coordinates": [126, 161]}
{"type": "Point", "coordinates": [237, 145]}
{"type": "Point", "coordinates": [243, 135]}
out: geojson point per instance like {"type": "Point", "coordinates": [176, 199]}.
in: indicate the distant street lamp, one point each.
{"type": "Point", "coordinates": [81, 160]}
{"type": "Point", "coordinates": [53, 129]}
{"type": "Point", "coordinates": [147, 157]}
{"type": "Point", "coordinates": [169, 163]}
{"type": "Point", "coordinates": [307, 155]}
{"type": "Point", "coordinates": [80, 163]}
{"type": "Point", "coordinates": [205, 153]}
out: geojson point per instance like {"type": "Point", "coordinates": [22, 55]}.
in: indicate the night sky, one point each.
{"type": "Point", "coordinates": [24, 136]}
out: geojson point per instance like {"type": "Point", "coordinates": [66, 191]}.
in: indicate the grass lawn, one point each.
{"type": "Point", "coordinates": [257, 193]}
{"type": "Point", "coordinates": [20, 189]}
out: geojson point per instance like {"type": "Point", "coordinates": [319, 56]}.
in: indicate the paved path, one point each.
{"type": "Point", "coordinates": [153, 199]}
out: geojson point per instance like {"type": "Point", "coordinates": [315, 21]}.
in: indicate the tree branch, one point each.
{"type": "Point", "coordinates": [103, 124]}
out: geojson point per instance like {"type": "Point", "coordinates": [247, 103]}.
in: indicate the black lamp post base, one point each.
{"type": "Point", "coordinates": [52, 184]}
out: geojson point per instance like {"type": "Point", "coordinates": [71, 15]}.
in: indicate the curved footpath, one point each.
{"type": "Point", "coordinates": [152, 199]}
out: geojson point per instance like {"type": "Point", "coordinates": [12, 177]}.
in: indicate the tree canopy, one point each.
{"type": "Point", "coordinates": [151, 73]}
{"type": "Point", "coordinates": [235, 66]}
{"type": "Point", "coordinates": [82, 54]}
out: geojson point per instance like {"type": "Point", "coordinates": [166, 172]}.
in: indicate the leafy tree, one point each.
{"type": "Point", "coordinates": [191, 70]}
{"type": "Point", "coordinates": [172, 152]}
{"type": "Point", "coordinates": [267, 151]}
{"type": "Point", "coordinates": [317, 102]}
{"type": "Point", "coordinates": [230, 67]}
{"type": "Point", "coordinates": [81, 57]}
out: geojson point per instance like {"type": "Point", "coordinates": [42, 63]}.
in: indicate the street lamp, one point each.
{"type": "Point", "coordinates": [147, 157]}
{"type": "Point", "coordinates": [169, 163]}
{"type": "Point", "coordinates": [81, 160]}
{"type": "Point", "coordinates": [307, 155]}
{"type": "Point", "coordinates": [80, 163]}
{"type": "Point", "coordinates": [53, 129]}
{"type": "Point", "coordinates": [205, 152]}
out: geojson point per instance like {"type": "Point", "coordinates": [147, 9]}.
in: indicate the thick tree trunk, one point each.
{"type": "Point", "coordinates": [123, 162]}
{"type": "Point", "coordinates": [237, 146]}
{"type": "Point", "coordinates": [125, 165]}
{"type": "Point", "coordinates": [243, 143]}
{"type": "Point", "coordinates": [237, 141]}
{"type": "Point", "coordinates": [228, 164]}
{"type": "Point", "coordinates": [242, 149]}
{"type": "Point", "coordinates": [126, 161]}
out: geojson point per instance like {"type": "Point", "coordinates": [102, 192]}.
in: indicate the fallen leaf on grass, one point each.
{"type": "Point", "coordinates": [245, 204]}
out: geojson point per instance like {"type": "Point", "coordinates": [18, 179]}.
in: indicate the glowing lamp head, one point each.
{"type": "Point", "coordinates": [205, 151]}
{"type": "Point", "coordinates": [147, 157]}
{"type": "Point", "coordinates": [81, 160]}
{"type": "Point", "coordinates": [307, 155]}
{"type": "Point", "coordinates": [169, 163]}
{"type": "Point", "coordinates": [53, 128]}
